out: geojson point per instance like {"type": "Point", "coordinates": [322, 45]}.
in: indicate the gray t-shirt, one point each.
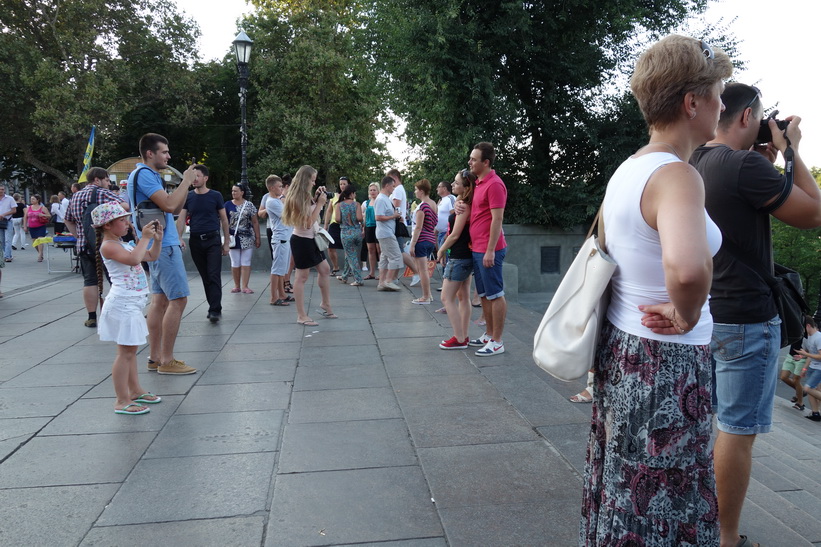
{"type": "Point", "coordinates": [384, 207]}
{"type": "Point", "coordinates": [813, 345]}
{"type": "Point", "coordinates": [275, 208]}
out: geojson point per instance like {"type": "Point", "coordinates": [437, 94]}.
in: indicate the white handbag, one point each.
{"type": "Point", "coordinates": [322, 239]}
{"type": "Point", "coordinates": [565, 342]}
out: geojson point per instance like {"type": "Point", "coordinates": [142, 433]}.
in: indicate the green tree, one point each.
{"type": "Point", "coordinates": [316, 97]}
{"type": "Point", "coordinates": [801, 251]}
{"type": "Point", "coordinates": [534, 78]}
{"type": "Point", "coordinates": [68, 65]}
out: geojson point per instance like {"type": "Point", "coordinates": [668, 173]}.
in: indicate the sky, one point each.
{"type": "Point", "coordinates": [776, 41]}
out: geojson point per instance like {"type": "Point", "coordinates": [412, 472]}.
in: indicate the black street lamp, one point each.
{"type": "Point", "coordinates": [242, 50]}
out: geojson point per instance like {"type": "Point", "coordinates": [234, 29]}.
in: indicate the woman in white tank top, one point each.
{"type": "Point", "coordinates": [649, 472]}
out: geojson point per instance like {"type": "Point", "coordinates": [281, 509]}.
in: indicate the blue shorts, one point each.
{"type": "Point", "coordinates": [813, 378]}
{"type": "Point", "coordinates": [746, 374]}
{"type": "Point", "coordinates": [168, 275]}
{"type": "Point", "coordinates": [458, 269]}
{"type": "Point", "coordinates": [489, 282]}
{"type": "Point", "coordinates": [281, 257]}
{"type": "Point", "coordinates": [423, 249]}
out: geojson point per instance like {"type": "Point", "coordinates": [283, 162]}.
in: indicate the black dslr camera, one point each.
{"type": "Point", "coordinates": [764, 133]}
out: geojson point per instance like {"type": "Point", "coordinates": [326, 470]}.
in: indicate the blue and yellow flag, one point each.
{"type": "Point", "coordinates": [87, 157]}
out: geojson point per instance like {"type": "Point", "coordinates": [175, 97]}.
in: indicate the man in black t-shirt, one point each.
{"type": "Point", "coordinates": [206, 208]}
{"type": "Point", "coordinates": [742, 190]}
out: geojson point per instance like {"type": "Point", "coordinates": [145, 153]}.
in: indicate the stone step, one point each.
{"type": "Point", "coordinates": [795, 518]}
{"type": "Point", "coordinates": [784, 473]}
{"type": "Point", "coordinates": [761, 526]}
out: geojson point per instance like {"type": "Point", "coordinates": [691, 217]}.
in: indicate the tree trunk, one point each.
{"type": "Point", "coordinates": [29, 158]}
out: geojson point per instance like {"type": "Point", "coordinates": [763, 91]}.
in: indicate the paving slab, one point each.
{"type": "Point", "coordinates": [353, 506]}
{"type": "Point", "coordinates": [321, 356]}
{"type": "Point", "coordinates": [16, 431]}
{"type": "Point", "coordinates": [58, 515]}
{"type": "Point", "coordinates": [30, 402]}
{"type": "Point", "coordinates": [196, 487]}
{"type": "Point", "coordinates": [343, 405]}
{"type": "Point", "coordinates": [236, 398]}
{"type": "Point", "coordinates": [223, 433]}
{"type": "Point", "coordinates": [261, 351]}
{"type": "Point", "coordinates": [249, 372]}
{"type": "Point", "coordinates": [89, 416]}
{"type": "Point", "coordinates": [240, 531]}
{"type": "Point", "coordinates": [77, 374]}
{"type": "Point", "coordinates": [345, 445]}
{"type": "Point", "coordinates": [75, 459]}
{"type": "Point", "coordinates": [493, 474]}
{"type": "Point", "coordinates": [539, 523]}
{"type": "Point", "coordinates": [466, 424]}
{"type": "Point", "coordinates": [341, 377]}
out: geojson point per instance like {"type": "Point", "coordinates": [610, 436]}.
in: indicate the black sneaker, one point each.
{"type": "Point", "coordinates": [815, 417]}
{"type": "Point", "coordinates": [214, 316]}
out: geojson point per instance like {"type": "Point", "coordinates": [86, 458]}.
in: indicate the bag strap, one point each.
{"type": "Point", "coordinates": [136, 178]}
{"type": "Point", "coordinates": [598, 222]}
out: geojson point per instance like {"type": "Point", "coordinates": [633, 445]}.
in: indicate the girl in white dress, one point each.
{"type": "Point", "coordinates": [122, 319]}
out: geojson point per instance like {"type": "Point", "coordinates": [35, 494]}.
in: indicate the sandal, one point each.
{"type": "Point", "coordinates": [422, 301]}
{"type": "Point", "coordinates": [143, 399]}
{"type": "Point", "coordinates": [744, 541]}
{"type": "Point", "coordinates": [356, 284]}
{"type": "Point", "coordinates": [289, 299]}
{"type": "Point", "coordinates": [288, 287]}
{"type": "Point", "coordinates": [236, 290]}
{"type": "Point", "coordinates": [124, 410]}
{"type": "Point", "coordinates": [368, 278]}
{"type": "Point", "coordinates": [326, 314]}
{"type": "Point", "coordinates": [441, 310]}
{"type": "Point", "coordinates": [308, 323]}
{"type": "Point", "coordinates": [247, 291]}
{"type": "Point", "coordinates": [581, 397]}
{"type": "Point", "coordinates": [341, 279]}
{"type": "Point", "coordinates": [280, 302]}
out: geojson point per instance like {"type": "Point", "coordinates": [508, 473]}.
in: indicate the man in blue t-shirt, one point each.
{"type": "Point", "coordinates": [206, 210]}
{"type": "Point", "coordinates": [169, 282]}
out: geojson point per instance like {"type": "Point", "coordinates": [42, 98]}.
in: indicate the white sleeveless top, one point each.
{"type": "Point", "coordinates": [126, 280]}
{"type": "Point", "coordinates": [636, 248]}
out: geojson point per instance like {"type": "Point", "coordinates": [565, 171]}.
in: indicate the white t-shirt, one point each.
{"type": "Point", "coordinates": [812, 344]}
{"type": "Point", "coordinates": [263, 204]}
{"type": "Point", "coordinates": [400, 194]}
{"type": "Point", "coordinates": [444, 207]}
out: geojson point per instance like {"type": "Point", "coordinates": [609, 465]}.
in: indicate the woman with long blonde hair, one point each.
{"type": "Point", "coordinates": [302, 207]}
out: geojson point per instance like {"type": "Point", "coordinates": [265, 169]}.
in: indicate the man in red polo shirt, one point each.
{"type": "Point", "coordinates": [489, 247]}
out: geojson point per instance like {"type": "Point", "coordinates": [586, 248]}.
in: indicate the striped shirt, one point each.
{"type": "Point", "coordinates": [428, 232]}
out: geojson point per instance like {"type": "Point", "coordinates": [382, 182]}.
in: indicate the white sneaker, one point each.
{"type": "Point", "coordinates": [480, 342]}
{"type": "Point", "coordinates": [415, 281]}
{"type": "Point", "coordinates": [491, 348]}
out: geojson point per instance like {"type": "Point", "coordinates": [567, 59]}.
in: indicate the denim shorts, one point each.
{"type": "Point", "coordinates": [168, 275]}
{"type": "Point", "coordinates": [813, 378]}
{"type": "Point", "coordinates": [489, 282]}
{"type": "Point", "coordinates": [423, 249]}
{"type": "Point", "coordinates": [458, 269]}
{"type": "Point", "coordinates": [746, 374]}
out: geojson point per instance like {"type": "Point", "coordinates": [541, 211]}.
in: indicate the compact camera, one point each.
{"type": "Point", "coordinates": [764, 133]}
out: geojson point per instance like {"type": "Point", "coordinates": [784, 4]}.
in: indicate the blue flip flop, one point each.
{"type": "Point", "coordinates": [142, 399]}
{"type": "Point", "coordinates": [125, 410]}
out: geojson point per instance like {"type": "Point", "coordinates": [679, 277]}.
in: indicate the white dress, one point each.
{"type": "Point", "coordinates": [122, 319]}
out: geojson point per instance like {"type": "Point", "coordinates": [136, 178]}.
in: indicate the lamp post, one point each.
{"type": "Point", "coordinates": [242, 50]}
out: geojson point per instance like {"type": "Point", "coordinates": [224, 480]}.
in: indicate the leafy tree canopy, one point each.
{"type": "Point", "coordinates": [67, 65]}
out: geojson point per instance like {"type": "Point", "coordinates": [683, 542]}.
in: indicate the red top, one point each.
{"type": "Point", "coordinates": [490, 193]}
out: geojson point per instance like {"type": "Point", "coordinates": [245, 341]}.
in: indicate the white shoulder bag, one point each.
{"type": "Point", "coordinates": [565, 342]}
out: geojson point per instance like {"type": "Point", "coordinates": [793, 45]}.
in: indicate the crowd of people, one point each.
{"type": "Point", "coordinates": [691, 330]}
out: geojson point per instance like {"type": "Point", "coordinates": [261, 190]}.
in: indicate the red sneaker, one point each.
{"type": "Point", "coordinates": [453, 343]}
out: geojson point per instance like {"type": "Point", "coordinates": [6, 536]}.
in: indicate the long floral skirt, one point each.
{"type": "Point", "coordinates": [649, 479]}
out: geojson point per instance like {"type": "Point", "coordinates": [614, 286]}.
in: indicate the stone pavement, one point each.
{"type": "Point", "coordinates": [358, 431]}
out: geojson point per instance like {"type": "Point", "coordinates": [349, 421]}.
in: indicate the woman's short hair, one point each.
{"type": "Point", "coordinates": [348, 192]}
{"type": "Point", "coordinates": [374, 185]}
{"type": "Point", "coordinates": [54, 199]}
{"type": "Point", "coordinates": [671, 68]}
{"type": "Point", "coordinates": [423, 185]}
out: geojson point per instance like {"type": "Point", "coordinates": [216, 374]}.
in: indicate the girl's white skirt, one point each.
{"type": "Point", "coordinates": [122, 320]}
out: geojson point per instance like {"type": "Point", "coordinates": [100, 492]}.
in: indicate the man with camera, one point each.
{"type": "Point", "coordinates": [742, 190]}
{"type": "Point", "coordinates": [169, 282]}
